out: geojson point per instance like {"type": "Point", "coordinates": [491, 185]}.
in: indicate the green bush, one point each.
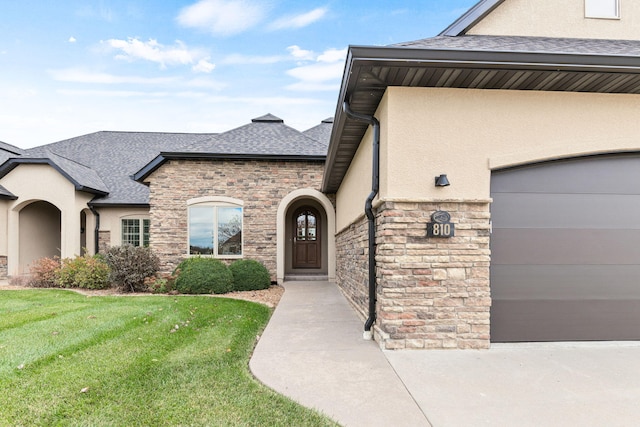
{"type": "Point", "coordinates": [203, 276]}
{"type": "Point", "coordinates": [130, 266]}
{"type": "Point", "coordinates": [43, 272]}
{"type": "Point", "coordinates": [83, 272]}
{"type": "Point", "coordinates": [249, 275]}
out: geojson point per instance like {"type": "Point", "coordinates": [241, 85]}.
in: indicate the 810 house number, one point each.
{"type": "Point", "coordinates": [440, 227]}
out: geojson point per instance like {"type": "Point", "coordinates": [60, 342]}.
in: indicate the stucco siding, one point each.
{"type": "Point", "coordinates": [465, 133]}
{"type": "Point", "coordinates": [559, 18]}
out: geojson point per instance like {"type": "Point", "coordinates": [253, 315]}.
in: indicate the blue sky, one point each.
{"type": "Point", "coordinates": [72, 67]}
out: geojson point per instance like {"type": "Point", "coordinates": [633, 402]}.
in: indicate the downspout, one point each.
{"type": "Point", "coordinates": [368, 209]}
{"type": "Point", "coordinates": [97, 229]}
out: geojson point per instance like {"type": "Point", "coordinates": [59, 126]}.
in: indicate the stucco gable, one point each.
{"type": "Point", "coordinates": [82, 177]}
{"type": "Point", "coordinates": [558, 18]}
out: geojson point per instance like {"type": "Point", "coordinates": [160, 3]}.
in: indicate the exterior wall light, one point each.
{"type": "Point", "coordinates": [442, 181]}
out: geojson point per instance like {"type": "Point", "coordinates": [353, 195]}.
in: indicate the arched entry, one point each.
{"type": "Point", "coordinates": [40, 233]}
{"type": "Point", "coordinates": [316, 209]}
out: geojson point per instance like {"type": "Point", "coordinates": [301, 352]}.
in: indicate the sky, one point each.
{"type": "Point", "coordinates": [73, 67]}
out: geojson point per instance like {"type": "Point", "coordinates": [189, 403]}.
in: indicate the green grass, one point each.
{"type": "Point", "coordinates": [72, 360]}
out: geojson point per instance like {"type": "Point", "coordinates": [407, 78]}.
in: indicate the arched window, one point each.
{"type": "Point", "coordinates": [215, 227]}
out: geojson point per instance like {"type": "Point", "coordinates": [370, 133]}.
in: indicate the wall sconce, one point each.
{"type": "Point", "coordinates": [442, 181]}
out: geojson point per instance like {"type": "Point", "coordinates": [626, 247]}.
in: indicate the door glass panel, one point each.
{"type": "Point", "coordinates": [311, 226]}
{"type": "Point", "coordinates": [301, 226]}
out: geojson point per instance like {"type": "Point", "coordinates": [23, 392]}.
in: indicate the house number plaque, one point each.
{"type": "Point", "coordinates": [440, 225]}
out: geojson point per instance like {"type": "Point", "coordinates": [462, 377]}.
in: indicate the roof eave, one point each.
{"type": "Point", "coordinates": [13, 163]}
{"type": "Point", "coordinates": [361, 56]}
{"type": "Point", "coordinates": [471, 17]}
{"type": "Point", "coordinates": [150, 167]}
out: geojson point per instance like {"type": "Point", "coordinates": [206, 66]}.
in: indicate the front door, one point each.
{"type": "Point", "coordinates": [306, 239]}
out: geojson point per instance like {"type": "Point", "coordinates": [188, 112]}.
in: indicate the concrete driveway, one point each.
{"type": "Point", "coordinates": [313, 351]}
{"type": "Point", "coordinates": [555, 384]}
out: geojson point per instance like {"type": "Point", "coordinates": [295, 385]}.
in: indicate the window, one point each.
{"type": "Point", "coordinates": [607, 9]}
{"type": "Point", "coordinates": [135, 231]}
{"type": "Point", "coordinates": [215, 228]}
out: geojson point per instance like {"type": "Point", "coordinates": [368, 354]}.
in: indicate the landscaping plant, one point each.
{"type": "Point", "coordinates": [130, 266]}
{"type": "Point", "coordinates": [199, 275]}
{"type": "Point", "coordinates": [88, 272]}
{"type": "Point", "coordinates": [43, 272]}
{"type": "Point", "coordinates": [249, 275]}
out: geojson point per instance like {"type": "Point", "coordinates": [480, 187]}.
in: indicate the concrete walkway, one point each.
{"type": "Point", "coordinates": [313, 352]}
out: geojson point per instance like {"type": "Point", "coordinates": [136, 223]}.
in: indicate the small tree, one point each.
{"type": "Point", "coordinates": [130, 265]}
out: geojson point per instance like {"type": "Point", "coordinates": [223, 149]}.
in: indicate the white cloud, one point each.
{"type": "Point", "coordinates": [179, 54]}
{"type": "Point", "coordinates": [299, 21]}
{"type": "Point", "coordinates": [322, 75]}
{"type": "Point", "coordinates": [72, 39]}
{"type": "Point", "coordinates": [333, 55]}
{"type": "Point", "coordinates": [78, 75]}
{"type": "Point", "coordinates": [222, 17]}
{"type": "Point", "coordinates": [301, 54]}
{"type": "Point", "coordinates": [239, 59]}
{"type": "Point", "coordinates": [203, 66]}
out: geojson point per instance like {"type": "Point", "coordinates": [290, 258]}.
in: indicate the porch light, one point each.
{"type": "Point", "coordinates": [442, 181]}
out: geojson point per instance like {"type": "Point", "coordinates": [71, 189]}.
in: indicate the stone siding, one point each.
{"type": "Point", "coordinates": [352, 265]}
{"type": "Point", "coordinates": [261, 185]}
{"type": "Point", "coordinates": [3, 267]}
{"type": "Point", "coordinates": [431, 292]}
{"type": "Point", "coordinates": [104, 241]}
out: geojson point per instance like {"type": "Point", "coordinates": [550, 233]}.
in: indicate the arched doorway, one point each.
{"type": "Point", "coordinates": [40, 233]}
{"type": "Point", "coordinates": [308, 214]}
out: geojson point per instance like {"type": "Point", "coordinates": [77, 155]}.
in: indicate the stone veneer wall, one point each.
{"type": "Point", "coordinates": [104, 241]}
{"type": "Point", "coordinates": [3, 267]}
{"type": "Point", "coordinates": [260, 184]}
{"type": "Point", "coordinates": [431, 293]}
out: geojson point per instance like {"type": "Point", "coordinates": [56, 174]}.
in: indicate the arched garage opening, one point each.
{"type": "Point", "coordinates": [39, 233]}
{"type": "Point", "coordinates": [565, 255]}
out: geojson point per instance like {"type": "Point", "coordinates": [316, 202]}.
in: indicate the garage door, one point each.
{"type": "Point", "coordinates": [566, 251]}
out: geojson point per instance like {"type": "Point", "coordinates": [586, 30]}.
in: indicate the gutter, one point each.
{"type": "Point", "coordinates": [97, 229]}
{"type": "Point", "coordinates": [371, 218]}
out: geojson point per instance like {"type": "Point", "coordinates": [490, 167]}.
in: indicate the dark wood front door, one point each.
{"type": "Point", "coordinates": [306, 238]}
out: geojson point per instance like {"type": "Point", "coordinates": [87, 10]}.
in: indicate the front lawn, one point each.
{"type": "Point", "coordinates": [68, 359]}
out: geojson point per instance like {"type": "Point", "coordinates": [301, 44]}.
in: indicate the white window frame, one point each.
{"type": "Point", "coordinates": [602, 9]}
{"type": "Point", "coordinates": [216, 202]}
{"type": "Point", "coordinates": [141, 220]}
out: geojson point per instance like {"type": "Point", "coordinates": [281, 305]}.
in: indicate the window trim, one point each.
{"type": "Point", "coordinates": [215, 202]}
{"type": "Point", "coordinates": [141, 219]}
{"type": "Point", "coordinates": [594, 15]}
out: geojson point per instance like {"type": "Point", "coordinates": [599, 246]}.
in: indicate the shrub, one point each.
{"type": "Point", "coordinates": [160, 284]}
{"type": "Point", "coordinates": [86, 272]}
{"type": "Point", "coordinates": [43, 271]}
{"type": "Point", "coordinates": [249, 275]}
{"type": "Point", "coordinates": [130, 265]}
{"type": "Point", "coordinates": [203, 276]}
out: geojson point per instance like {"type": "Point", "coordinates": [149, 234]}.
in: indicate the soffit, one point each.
{"type": "Point", "coordinates": [479, 62]}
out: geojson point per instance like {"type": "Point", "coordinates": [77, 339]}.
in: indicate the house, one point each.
{"type": "Point", "coordinates": [529, 109]}
{"type": "Point", "coordinates": [209, 195]}
{"type": "Point", "coordinates": [478, 186]}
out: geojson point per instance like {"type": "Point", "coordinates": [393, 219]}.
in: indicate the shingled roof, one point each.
{"type": "Point", "coordinates": [266, 137]}
{"type": "Point", "coordinates": [104, 163]}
